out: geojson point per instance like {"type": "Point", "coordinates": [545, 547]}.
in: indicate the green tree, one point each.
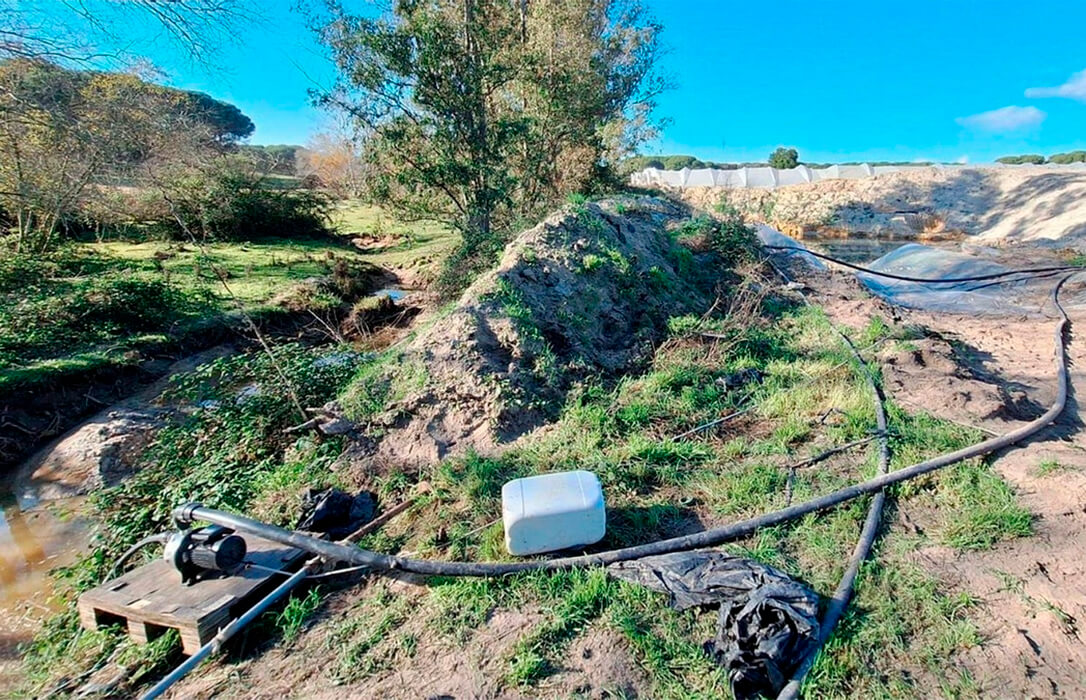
{"type": "Point", "coordinates": [281, 159]}
{"type": "Point", "coordinates": [480, 112]}
{"type": "Point", "coordinates": [784, 158]}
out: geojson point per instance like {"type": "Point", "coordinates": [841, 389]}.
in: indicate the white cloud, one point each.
{"type": "Point", "coordinates": [1074, 88]}
{"type": "Point", "coordinates": [1004, 119]}
{"type": "Point", "coordinates": [962, 160]}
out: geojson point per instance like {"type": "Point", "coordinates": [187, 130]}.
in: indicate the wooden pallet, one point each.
{"type": "Point", "coordinates": [152, 599]}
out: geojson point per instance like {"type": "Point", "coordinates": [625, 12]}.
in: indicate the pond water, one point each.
{"type": "Point", "coordinates": [855, 250]}
{"type": "Point", "coordinates": [392, 293]}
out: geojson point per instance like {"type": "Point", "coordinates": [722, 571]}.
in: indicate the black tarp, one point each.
{"type": "Point", "coordinates": [768, 622]}
{"type": "Point", "coordinates": [334, 512]}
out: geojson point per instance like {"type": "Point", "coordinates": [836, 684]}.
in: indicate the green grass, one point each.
{"type": "Point", "coordinates": [96, 306]}
{"type": "Point", "coordinates": [1049, 466]}
{"type": "Point", "coordinates": [260, 270]}
{"type": "Point", "coordinates": [987, 510]}
{"type": "Point", "coordinates": [574, 599]}
{"type": "Point", "coordinates": [294, 615]}
{"type": "Point", "coordinates": [901, 619]}
{"type": "Point", "coordinates": [256, 271]}
{"type": "Point", "coordinates": [361, 641]}
{"type": "Point", "coordinates": [73, 308]}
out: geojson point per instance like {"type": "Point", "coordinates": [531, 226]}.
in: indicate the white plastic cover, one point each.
{"type": "Point", "coordinates": [772, 177]}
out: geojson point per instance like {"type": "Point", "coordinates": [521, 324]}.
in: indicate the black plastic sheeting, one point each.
{"type": "Point", "coordinates": [334, 512]}
{"type": "Point", "coordinates": [768, 622]}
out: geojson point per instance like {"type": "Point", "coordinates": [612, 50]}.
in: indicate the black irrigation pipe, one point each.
{"type": "Point", "coordinates": [193, 512]}
{"type": "Point", "coordinates": [928, 280]}
{"type": "Point", "coordinates": [843, 593]}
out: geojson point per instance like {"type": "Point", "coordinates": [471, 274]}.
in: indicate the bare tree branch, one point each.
{"type": "Point", "coordinates": [74, 31]}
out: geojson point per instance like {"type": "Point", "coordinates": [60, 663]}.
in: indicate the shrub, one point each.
{"type": "Point", "coordinates": [1065, 158]}
{"type": "Point", "coordinates": [463, 265]}
{"type": "Point", "coordinates": [38, 321]}
{"type": "Point", "coordinates": [228, 202]}
{"type": "Point", "coordinates": [733, 239]}
{"type": "Point", "coordinates": [729, 236]}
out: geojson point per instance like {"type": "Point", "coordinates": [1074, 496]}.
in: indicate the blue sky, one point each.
{"type": "Point", "coordinates": [925, 79]}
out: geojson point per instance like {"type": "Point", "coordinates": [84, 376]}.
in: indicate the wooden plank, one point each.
{"type": "Point", "coordinates": [151, 598]}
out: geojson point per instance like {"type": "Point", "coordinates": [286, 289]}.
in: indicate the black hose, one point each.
{"type": "Point", "coordinates": [944, 280]}
{"type": "Point", "coordinates": [843, 593]}
{"type": "Point", "coordinates": [150, 539]}
{"type": "Point", "coordinates": [383, 562]}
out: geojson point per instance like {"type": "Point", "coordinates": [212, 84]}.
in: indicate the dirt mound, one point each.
{"type": "Point", "coordinates": [994, 206]}
{"type": "Point", "coordinates": [584, 293]}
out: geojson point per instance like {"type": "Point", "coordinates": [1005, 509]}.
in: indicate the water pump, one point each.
{"type": "Point", "coordinates": [204, 552]}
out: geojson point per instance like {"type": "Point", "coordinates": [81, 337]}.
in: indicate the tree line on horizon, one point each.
{"type": "Point", "coordinates": [1037, 159]}
{"type": "Point", "coordinates": [782, 162]}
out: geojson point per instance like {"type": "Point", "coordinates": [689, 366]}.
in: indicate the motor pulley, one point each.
{"type": "Point", "coordinates": [204, 552]}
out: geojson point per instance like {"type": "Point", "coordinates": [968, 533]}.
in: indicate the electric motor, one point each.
{"type": "Point", "coordinates": [200, 553]}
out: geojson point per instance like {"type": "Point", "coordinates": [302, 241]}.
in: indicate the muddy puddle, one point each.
{"type": "Point", "coordinates": [33, 541]}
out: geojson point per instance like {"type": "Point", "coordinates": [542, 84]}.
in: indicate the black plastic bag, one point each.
{"type": "Point", "coordinates": [334, 512]}
{"type": "Point", "coordinates": [768, 622]}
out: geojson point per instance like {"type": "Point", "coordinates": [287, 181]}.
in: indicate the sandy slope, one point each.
{"type": "Point", "coordinates": [990, 206]}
